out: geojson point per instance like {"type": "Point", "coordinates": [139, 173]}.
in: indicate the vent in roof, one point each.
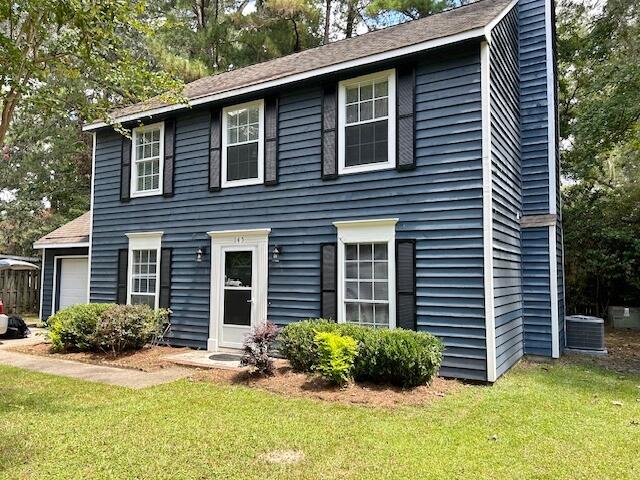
{"type": "Point", "coordinates": [585, 333]}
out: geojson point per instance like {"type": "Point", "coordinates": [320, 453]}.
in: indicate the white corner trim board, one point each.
{"type": "Point", "coordinates": [44, 256]}
{"type": "Point", "coordinates": [553, 291]}
{"type": "Point", "coordinates": [93, 177]}
{"type": "Point", "coordinates": [428, 45]}
{"type": "Point", "coordinates": [487, 213]}
{"type": "Point", "coordinates": [551, 102]}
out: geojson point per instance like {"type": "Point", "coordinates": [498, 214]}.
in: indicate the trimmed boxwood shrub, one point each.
{"type": "Point", "coordinates": [71, 329]}
{"type": "Point", "coordinates": [396, 357]}
{"type": "Point", "coordinates": [105, 327]}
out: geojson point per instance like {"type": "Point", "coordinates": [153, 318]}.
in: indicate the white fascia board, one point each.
{"type": "Point", "coordinates": [498, 19]}
{"type": "Point", "coordinates": [487, 213]}
{"type": "Point", "coordinates": [408, 50]}
{"type": "Point", "coordinates": [38, 246]}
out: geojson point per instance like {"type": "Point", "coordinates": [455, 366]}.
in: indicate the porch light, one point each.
{"type": "Point", "coordinates": [275, 253]}
{"type": "Point", "coordinates": [199, 254]}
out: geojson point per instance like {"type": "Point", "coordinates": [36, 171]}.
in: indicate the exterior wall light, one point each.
{"type": "Point", "coordinates": [199, 254]}
{"type": "Point", "coordinates": [275, 254]}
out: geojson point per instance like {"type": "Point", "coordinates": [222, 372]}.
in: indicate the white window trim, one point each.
{"type": "Point", "coordinates": [368, 231]}
{"type": "Point", "coordinates": [245, 181]}
{"type": "Point", "coordinates": [342, 124]}
{"type": "Point", "coordinates": [134, 159]}
{"type": "Point", "coordinates": [144, 241]}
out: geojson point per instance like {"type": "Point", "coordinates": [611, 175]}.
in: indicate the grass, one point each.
{"type": "Point", "coordinates": [550, 421]}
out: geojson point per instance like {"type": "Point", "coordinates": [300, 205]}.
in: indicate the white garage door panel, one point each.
{"type": "Point", "coordinates": [73, 281]}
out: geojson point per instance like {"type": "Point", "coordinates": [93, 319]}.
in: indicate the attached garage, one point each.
{"type": "Point", "coordinates": [65, 266]}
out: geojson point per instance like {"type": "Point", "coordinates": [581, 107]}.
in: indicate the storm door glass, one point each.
{"type": "Point", "coordinates": [237, 288]}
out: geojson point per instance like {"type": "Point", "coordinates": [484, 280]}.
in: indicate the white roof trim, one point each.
{"type": "Point", "coordinates": [253, 232]}
{"type": "Point", "coordinates": [144, 234]}
{"type": "Point", "coordinates": [374, 222]}
{"type": "Point", "coordinates": [491, 25]}
{"type": "Point", "coordinates": [38, 245]}
{"type": "Point", "coordinates": [399, 52]}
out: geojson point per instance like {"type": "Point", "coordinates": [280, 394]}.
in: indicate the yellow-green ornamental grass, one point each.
{"type": "Point", "coordinates": [539, 421]}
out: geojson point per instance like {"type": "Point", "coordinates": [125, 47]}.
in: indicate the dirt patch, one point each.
{"type": "Point", "coordinates": [292, 384]}
{"type": "Point", "coordinates": [624, 352]}
{"type": "Point", "coordinates": [149, 359]}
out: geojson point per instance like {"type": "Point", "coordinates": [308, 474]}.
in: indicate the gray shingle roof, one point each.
{"type": "Point", "coordinates": [76, 231]}
{"type": "Point", "coordinates": [445, 24]}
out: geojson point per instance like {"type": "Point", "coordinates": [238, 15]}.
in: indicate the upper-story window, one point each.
{"type": "Point", "coordinates": [242, 145]}
{"type": "Point", "coordinates": [366, 140]}
{"type": "Point", "coordinates": [146, 175]}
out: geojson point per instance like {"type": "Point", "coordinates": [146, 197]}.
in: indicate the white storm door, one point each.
{"type": "Point", "coordinates": [238, 294]}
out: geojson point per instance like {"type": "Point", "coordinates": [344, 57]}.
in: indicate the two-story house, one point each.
{"type": "Point", "coordinates": [407, 177]}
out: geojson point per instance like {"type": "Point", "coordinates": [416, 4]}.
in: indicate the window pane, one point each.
{"type": "Point", "coordinates": [381, 89]}
{"type": "Point", "coordinates": [366, 111]}
{"type": "Point", "coordinates": [254, 115]}
{"type": "Point", "coordinates": [352, 113]}
{"type": "Point", "coordinates": [380, 270]}
{"type": "Point", "coordinates": [366, 313]}
{"type": "Point", "coordinates": [232, 119]}
{"type": "Point", "coordinates": [156, 135]}
{"type": "Point", "coordinates": [381, 108]}
{"type": "Point", "coordinates": [237, 308]}
{"type": "Point", "coordinates": [365, 251]}
{"type": "Point", "coordinates": [351, 252]}
{"type": "Point", "coordinates": [366, 272]}
{"type": "Point", "coordinates": [366, 92]}
{"type": "Point", "coordinates": [351, 290]}
{"type": "Point", "coordinates": [365, 291]}
{"type": "Point", "coordinates": [238, 269]}
{"type": "Point", "coordinates": [380, 251]}
{"type": "Point", "coordinates": [232, 135]}
{"type": "Point", "coordinates": [143, 300]}
{"type": "Point", "coordinates": [352, 95]}
{"type": "Point", "coordinates": [242, 161]}
{"type": "Point", "coordinates": [380, 291]}
{"type": "Point", "coordinates": [352, 270]}
{"type": "Point", "coordinates": [243, 117]}
{"type": "Point", "coordinates": [352, 312]}
{"type": "Point", "coordinates": [243, 134]}
{"type": "Point", "coordinates": [382, 315]}
{"type": "Point", "coordinates": [253, 132]}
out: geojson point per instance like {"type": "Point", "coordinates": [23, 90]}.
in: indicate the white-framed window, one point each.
{"type": "Point", "coordinates": [147, 160]}
{"type": "Point", "coordinates": [143, 284]}
{"type": "Point", "coordinates": [367, 123]}
{"type": "Point", "coordinates": [242, 144]}
{"type": "Point", "coordinates": [366, 272]}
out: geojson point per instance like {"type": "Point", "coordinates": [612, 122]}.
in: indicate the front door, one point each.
{"type": "Point", "coordinates": [238, 294]}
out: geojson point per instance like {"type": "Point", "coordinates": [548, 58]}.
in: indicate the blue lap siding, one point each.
{"type": "Point", "coordinates": [506, 191]}
{"type": "Point", "coordinates": [48, 266]}
{"type": "Point", "coordinates": [439, 204]}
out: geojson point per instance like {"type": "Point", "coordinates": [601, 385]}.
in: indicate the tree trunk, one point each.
{"type": "Point", "coordinates": [351, 18]}
{"type": "Point", "coordinates": [296, 46]}
{"type": "Point", "coordinates": [8, 107]}
{"type": "Point", "coordinates": [327, 21]}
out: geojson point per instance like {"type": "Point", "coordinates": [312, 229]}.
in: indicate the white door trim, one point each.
{"type": "Point", "coordinates": [55, 279]}
{"type": "Point", "coordinates": [258, 241]}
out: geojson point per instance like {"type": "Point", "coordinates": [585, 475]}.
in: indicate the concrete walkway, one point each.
{"type": "Point", "coordinates": [83, 371]}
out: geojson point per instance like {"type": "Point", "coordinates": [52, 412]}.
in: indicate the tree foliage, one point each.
{"type": "Point", "coordinates": [599, 70]}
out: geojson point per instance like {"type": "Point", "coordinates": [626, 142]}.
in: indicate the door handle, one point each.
{"type": "Point", "coordinates": [250, 300]}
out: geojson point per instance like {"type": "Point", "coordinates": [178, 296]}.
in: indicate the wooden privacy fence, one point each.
{"type": "Point", "coordinates": [20, 290]}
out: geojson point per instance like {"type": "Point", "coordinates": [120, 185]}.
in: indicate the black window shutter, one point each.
{"type": "Point", "coordinates": [271, 141]}
{"type": "Point", "coordinates": [330, 133]}
{"type": "Point", "coordinates": [406, 118]}
{"type": "Point", "coordinates": [329, 281]}
{"type": "Point", "coordinates": [406, 284]}
{"type": "Point", "coordinates": [169, 149]}
{"type": "Point", "coordinates": [125, 170]}
{"type": "Point", "coordinates": [165, 278]}
{"type": "Point", "coordinates": [123, 260]}
{"type": "Point", "coordinates": [215, 138]}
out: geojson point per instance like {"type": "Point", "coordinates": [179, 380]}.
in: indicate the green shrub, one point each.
{"type": "Point", "coordinates": [71, 329]}
{"type": "Point", "coordinates": [336, 356]}
{"type": "Point", "coordinates": [398, 357]}
{"type": "Point", "coordinates": [128, 327]}
{"type": "Point", "coordinates": [297, 342]}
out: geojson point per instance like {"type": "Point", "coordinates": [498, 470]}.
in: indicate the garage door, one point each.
{"type": "Point", "coordinates": [73, 282]}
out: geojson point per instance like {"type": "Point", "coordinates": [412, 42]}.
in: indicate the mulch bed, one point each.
{"type": "Point", "coordinates": [292, 384]}
{"type": "Point", "coordinates": [624, 352]}
{"type": "Point", "coordinates": [149, 359]}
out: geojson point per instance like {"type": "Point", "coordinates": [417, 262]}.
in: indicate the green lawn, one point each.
{"type": "Point", "coordinates": [551, 422]}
